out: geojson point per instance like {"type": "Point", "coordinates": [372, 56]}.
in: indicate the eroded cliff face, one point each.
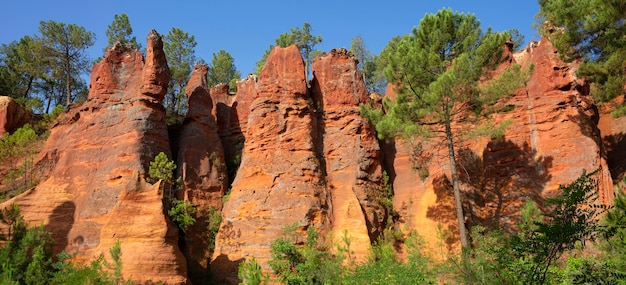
{"type": "Point", "coordinates": [351, 152]}
{"type": "Point", "coordinates": [280, 179]}
{"type": "Point", "coordinates": [552, 138]}
{"type": "Point", "coordinates": [12, 115]}
{"type": "Point", "coordinates": [303, 157]}
{"type": "Point", "coordinates": [202, 168]}
{"type": "Point", "coordinates": [95, 194]}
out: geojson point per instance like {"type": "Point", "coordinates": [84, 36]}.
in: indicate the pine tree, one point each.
{"type": "Point", "coordinates": [121, 31]}
{"type": "Point", "coordinates": [66, 45]}
{"type": "Point", "coordinates": [179, 50]}
{"type": "Point", "coordinates": [222, 69]}
{"type": "Point", "coordinates": [302, 38]}
{"type": "Point", "coordinates": [593, 31]}
{"type": "Point", "coordinates": [436, 71]}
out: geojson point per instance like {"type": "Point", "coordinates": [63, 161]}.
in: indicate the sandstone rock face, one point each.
{"type": "Point", "coordinates": [279, 182]}
{"type": "Point", "coordinates": [552, 138]}
{"type": "Point", "coordinates": [613, 132]}
{"type": "Point", "coordinates": [202, 168]}
{"type": "Point", "coordinates": [95, 194]}
{"type": "Point", "coordinates": [351, 151]}
{"type": "Point", "coordinates": [12, 115]}
{"type": "Point", "coordinates": [232, 113]}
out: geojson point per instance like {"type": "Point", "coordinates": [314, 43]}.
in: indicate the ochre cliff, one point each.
{"type": "Point", "coordinates": [351, 153]}
{"type": "Point", "coordinates": [202, 169]}
{"type": "Point", "coordinates": [279, 182]}
{"type": "Point", "coordinates": [95, 194]}
{"type": "Point", "coordinates": [552, 138]}
{"type": "Point", "coordinates": [12, 115]}
{"type": "Point", "coordinates": [299, 155]}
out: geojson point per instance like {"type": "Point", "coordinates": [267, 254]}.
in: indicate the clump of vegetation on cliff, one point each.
{"type": "Point", "coordinates": [26, 257]}
{"type": "Point", "coordinates": [18, 167]}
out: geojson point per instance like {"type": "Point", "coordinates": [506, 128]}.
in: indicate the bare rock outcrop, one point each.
{"type": "Point", "coordinates": [613, 130]}
{"type": "Point", "coordinates": [279, 182]}
{"type": "Point", "coordinates": [12, 115]}
{"type": "Point", "coordinates": [202, 169]}
{"type": "Point", "coordinates": [351, 151]}
{"type": "Point", "coordinates": [95, 194]}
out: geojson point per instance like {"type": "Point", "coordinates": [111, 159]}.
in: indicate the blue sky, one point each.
{"type": "Point", "coordinates": [245, 29]}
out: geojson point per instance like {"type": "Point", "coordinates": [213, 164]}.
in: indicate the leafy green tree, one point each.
{"type": "Point", "coordinates": [23, 66]}
{"type": "Point", "coordinates": [436, 72]}
{"type": "Point", "coordinates": [13, 147]}
{"type": "Point", "coordinates": [26, 258]}
{"type": "Point", "coordinates": [179, 49]}
{"type": "Point", "coordinates": [307, 264]}
{"type": "Point", "coordinates": [251, 273]}
{"type": "Point", "coordinates": [533, 253]}
{"type": "Point", "coordinates": [384, 266]}
{"type": "Point", "coordinates": [374, 78]}
{"type": "Point", "coordinates": [594, 31]}
{"type": "Point", "coordinates": [182, 213]}
{"type": "Point", "coordinates": [121, 31]}
{"type": "Point", "coordinates": [302, 38]}
{"type": "Point", "coordinates": [571, 220]}
{"type": "Point", "coordinates": [222, 69]}
{"type": "Point", "coordinates": [162, 168]}
{"type": "Point", "coordinates": [66, 45]}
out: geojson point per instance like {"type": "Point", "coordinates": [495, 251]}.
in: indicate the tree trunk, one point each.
{"type": "Point", "coordinates": [29, 86]}
{"type": "Point", "coordinates": [455, 184]}
{"type": "Point", "coordinates": [68, 84]}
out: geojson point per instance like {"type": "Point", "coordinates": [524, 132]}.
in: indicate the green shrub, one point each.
{"type": "Point", "coordinates": [310, 263]}
{"type": "Point", "coordinates": [182, 213]}
{"type": "Point", "coordinates": [250, 273]}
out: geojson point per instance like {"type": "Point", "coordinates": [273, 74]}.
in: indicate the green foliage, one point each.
{"type": "Point", "coordinates": [116, 256]}
{"type": "Point", "coordinates": [250, 273]}
{"type": "Point", "coordinates": [179, 50]}
{"type": "Point", "coordinates": [612, 230]}
{"type": "Point", "coordinates": [214, 221]}
{"type": "Point", "coordinates": [222, 69]}
{"type": "Point", "coordinates": [531, 255]}
{"type": "Point", "coordinates": [373, 76]}
{"type": "Point", "coordinates": [386, 195]}
{"type": "Point", "coordinates": [310, 263]}
{"type": "Point", "coordinates": [383, 267]}
{"type": "Point", "coordinates": [48, 67]}
{"type": "Point", "coordinates": [591, 30]}
{"type": "Point", "coordinates": [13, 148]}
{"type": "Point", "coordinates": [572, 220]}
{"type": "Point", "coordinates": [516, 38]}
{"type": "Point", "coordinates": [22, 65]}
{"type": "Point", "coordinates": [182, 213]}
{"type": "Point", "coordinates": [121, 31]}
{"type": "Point", "coordinates": [302, 38]}
{"type": "Point", "coordinates": [26, 258]}
{"type": "Point", "coordinates": [161, 168]}
{"type": "Point", "coordinates": [65, 45]}
{"type": "Point", "coordinates": [436, 71]}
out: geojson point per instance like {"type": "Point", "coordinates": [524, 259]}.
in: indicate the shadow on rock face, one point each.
{"type": "Point", "coordinates": [494, 187]}
{"type": "Point", "coordinates": [60, 223]}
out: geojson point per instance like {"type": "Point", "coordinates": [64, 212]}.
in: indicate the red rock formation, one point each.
{"type": "Point", "coordinates": [232, 113]}
{"type": "Point", "coordinates": [613, 130]}
{"type": "Point", "coordinates": [12, 115]}
{"type": "Point", "coordinates": [100, 150]}
{"type": "Point", "coordinates": [279, 182]}
{"type": "Point", "coordinates": [351, 151]}
{"type": "Point", "coordinates": [202, 169]}
{"type": "Point", "coordinates": [552, 138]}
